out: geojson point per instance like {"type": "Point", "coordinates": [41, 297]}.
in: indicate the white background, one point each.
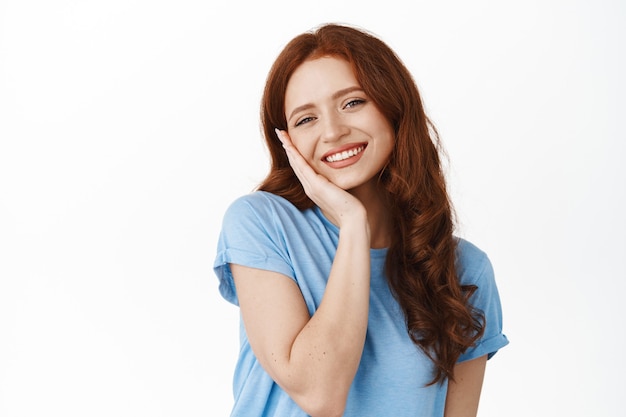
{"type": "Point", "coordinates": [128, 126]}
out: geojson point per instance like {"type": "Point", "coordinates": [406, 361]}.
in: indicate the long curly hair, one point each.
{"type": "Point", "coordinates": [420, 264]}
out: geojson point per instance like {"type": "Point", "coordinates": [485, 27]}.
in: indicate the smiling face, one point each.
{"type": "Point", "coordinates": [334, 124]}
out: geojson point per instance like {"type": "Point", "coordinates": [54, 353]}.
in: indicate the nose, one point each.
{"type": "Point", "coordinates": [333, 128]}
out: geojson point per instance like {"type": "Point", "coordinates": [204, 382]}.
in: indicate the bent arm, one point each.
{"type": "Point", "coordinates": [314, 359]}
{"type": "Point", "coordinates": [464, 391]}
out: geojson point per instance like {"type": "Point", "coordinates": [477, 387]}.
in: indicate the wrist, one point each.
{"type": "Point", "coordinates": [355, 224]}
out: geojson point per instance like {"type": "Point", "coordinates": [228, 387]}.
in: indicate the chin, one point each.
{"type": "Point", "coordinates": [347, 185]}
{"type": "Point", "coordinates": [354, 186]}
{"type": "Point", "coordinates": [350, 182]}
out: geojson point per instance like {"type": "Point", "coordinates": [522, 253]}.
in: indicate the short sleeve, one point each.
{"type": "Point", "coordinates": [475, 268]}
{"type": "Point", "coordinates": [249, 237]}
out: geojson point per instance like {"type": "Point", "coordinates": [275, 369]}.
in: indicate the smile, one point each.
{"type": "Point", "coordinates": [341, 156]}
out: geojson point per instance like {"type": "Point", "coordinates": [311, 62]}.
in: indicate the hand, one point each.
{"type": "Point", "coordinates": [337, 204]}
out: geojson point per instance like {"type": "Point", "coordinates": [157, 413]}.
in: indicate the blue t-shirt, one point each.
{"type": "Point", "coordinates": [264, 231]}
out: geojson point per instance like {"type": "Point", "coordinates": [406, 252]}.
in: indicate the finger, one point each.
{"type": "Point", "coordinates": [283, 137]}
{"type": "Point", "coordinates": [296, 160]}
{"type": "Point", "coordinates": [308, 177]}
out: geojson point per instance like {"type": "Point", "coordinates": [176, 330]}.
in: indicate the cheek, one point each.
{"type": "Point", "coordinates": [385, 132]}
{"type": "Point", "coordinates": [304, 146]}
{"type": "Point", "coordinates": [387, 149]}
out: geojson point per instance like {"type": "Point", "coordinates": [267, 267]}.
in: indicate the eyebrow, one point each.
{"type": "Point", "coordinates": [335, 96]}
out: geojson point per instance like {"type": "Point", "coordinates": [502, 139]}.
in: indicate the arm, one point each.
{"type": "Point", "coordinates": [314, 359]}
{"type": "Point", "coordinates": [464, 391]}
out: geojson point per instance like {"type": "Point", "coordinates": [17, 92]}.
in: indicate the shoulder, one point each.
{"type": "Point", "coordinates": [268, 215]}
{"type": "Point", "coordinates": [260, 201]}
{"type": "Point", "coordinates": [474, 268]}
{"type": "Point", "coordinates": [473, 264]}
{"type": "Point", "coordinates": [253, 235]}
{"type": "Point", "coordinates": [260, 205]}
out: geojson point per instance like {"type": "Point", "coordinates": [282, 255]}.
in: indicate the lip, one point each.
{"type": "Point", "coordinates": [348, 161]}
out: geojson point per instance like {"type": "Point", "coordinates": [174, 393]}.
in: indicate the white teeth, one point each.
{"type": "Point", "coordinates": [340, 156]}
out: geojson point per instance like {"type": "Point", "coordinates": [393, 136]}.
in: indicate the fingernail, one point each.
{"type": "Point", "coordinates": [279, 135]}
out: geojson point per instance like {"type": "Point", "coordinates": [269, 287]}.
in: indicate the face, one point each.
{"type": "Point", "coordinates": [335, 125]}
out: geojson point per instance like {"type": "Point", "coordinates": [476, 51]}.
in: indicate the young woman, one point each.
{"type": "Point", "coordinates": [356, 299]}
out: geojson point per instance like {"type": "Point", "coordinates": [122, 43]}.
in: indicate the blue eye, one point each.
{"type": "Point", "coordinates": [303, 121]}
{"type": "Point", "coordinates": [355, 102]}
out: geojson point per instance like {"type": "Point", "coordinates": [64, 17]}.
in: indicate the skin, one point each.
{"type": "Point", "coordinates": [327, 111]}
{"type": "Point", "coordinates": [315, 358]}
{"type": "Point", "coordinates": [464, 391]}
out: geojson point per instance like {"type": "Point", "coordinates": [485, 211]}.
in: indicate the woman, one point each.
{"type": "Point", "coordinates": [355, 297]}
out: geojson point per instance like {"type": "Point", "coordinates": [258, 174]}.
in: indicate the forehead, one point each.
{"type": "Point", "coordinates": [317, 79]}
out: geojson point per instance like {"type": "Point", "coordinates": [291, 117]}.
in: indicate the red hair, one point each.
{"type": "Point", "coordinates": [420, 264]}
